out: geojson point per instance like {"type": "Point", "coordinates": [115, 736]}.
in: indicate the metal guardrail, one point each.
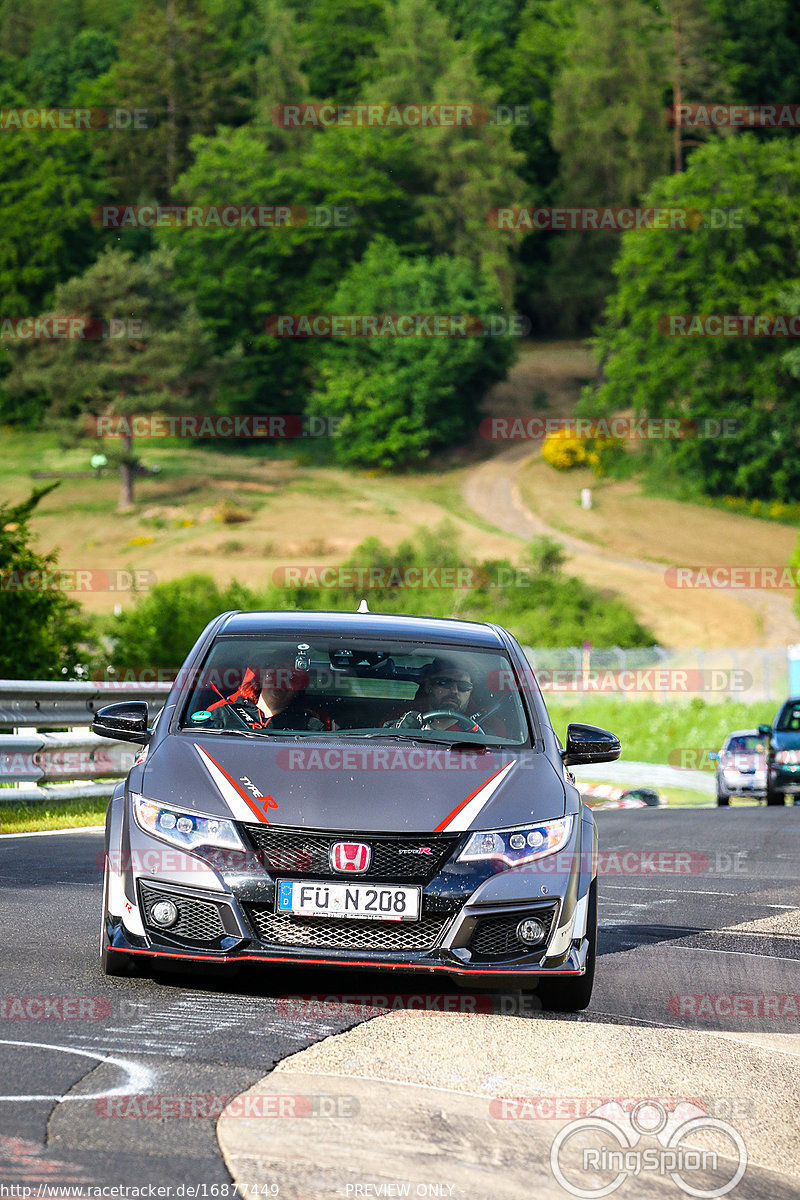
{"type": "Point", "coordinates": [41, 704]}
{"type": "Point", "coordinates": [73, 765]}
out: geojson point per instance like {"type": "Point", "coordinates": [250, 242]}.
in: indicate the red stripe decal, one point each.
{"type": "Point", "coordinates": [471, 796]}
{"type": "Point", "coordinates": [247, 799]}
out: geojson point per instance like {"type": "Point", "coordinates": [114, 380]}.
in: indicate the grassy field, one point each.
{"type": "Point", "coordinates": [659, 733]}
{"type": "Point", "coordinates": [237, 515]}
{"type": "Point", "coordinates": [628, 537]}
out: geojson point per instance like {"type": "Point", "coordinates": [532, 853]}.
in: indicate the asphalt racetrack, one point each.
{"type": "Point", "coordinates": [700, 939]}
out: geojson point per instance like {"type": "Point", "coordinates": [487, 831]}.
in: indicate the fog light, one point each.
{"type": "Point", "coordinates": [530, 931]}
{"type": "Point", "coordinates": [164, 913]}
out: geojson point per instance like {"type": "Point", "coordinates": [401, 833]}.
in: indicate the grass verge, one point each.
{"type": "Point", "coordinates": [43, 814]}
{"type": "Point", "coordinates": [678, 734]}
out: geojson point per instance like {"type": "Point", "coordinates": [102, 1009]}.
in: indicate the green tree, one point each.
{"type": "Point", "coordinates": [611, 137]}
{"type": "Point", "coordinates": [162, 363]}
{"type": "Point", "coordinates": [758, 50]}
{"type": "Point", "coordinates": [340, 37]}
{"type": "Point", "coordinates": [400, 398]}
{"type": "Point", "coordinates": [173, 63]}
{"type": "Point", "coordinates": [240, 277]}
{"type": "Point", "coordinates": [44, 634]}
{"type": "Point", "coordinates": [694, 75]}
{"type": "Point", "coordinates": [462, 172]}
{"type": "Point", "coordinates": [744, 267]}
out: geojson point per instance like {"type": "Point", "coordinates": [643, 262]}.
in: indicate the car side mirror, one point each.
{"type": "Point", "coordinates": [126, 722]}
{"type": "Point", "coordinates": [765, 730]}
{"type": "Point", "coordinates": [589, 744]}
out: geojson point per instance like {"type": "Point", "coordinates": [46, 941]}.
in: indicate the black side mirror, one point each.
{"type": "Point", "coordinates": [765, 730]}
{"type": "Point", "coordinates": [127, 722]}
{"type": "Point", "coordinates": [589, 744]}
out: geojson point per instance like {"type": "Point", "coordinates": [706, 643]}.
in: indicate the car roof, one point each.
{"type": "Point", "coordinates": [742, 733]}
{"type": "Point", "coordinates": [439, 629]}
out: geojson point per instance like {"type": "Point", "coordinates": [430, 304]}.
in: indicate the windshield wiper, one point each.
{"type": "Point", "coordinates": [287, 734]}
{"type": "Point", "coordinates": [398, 735]}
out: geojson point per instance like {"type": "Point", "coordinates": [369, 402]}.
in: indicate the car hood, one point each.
{"type": "Point", "coordinates": [362, 786]}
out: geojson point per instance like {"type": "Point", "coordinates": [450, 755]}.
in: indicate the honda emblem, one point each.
{"type": "Point", "coordinates": [350, 857]}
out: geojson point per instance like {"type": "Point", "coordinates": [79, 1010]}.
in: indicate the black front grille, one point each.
{"type": "Point", "coordinates": [414, 859]}
{"type": "Point", "coordinates": [325, 933]}
{"type": "Point", "coordinates": [496, 937]}
{"type": "Point", "coordinates": [198, 920]}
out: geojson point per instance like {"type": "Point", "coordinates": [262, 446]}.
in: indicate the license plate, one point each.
{"type": "Point", "coordinates": [365, 901]}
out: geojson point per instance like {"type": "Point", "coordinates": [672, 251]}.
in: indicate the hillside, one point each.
{"type": "Point", "coordinates": [243, 513]}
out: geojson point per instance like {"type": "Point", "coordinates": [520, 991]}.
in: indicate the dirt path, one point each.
{"type": "Point", "coordinates": [699, 618]}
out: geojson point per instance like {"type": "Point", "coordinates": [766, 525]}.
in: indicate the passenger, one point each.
{"type": "Point", "coordinates": [272, 697]}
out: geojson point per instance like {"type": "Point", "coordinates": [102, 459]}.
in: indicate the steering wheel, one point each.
{"type": "Point", "coordinates": [468, 722]}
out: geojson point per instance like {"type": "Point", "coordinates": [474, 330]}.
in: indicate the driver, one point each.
{"type": "Point", "coordinates": [444, 685]}
{"type": "Point", "coordinates": [272, 697]}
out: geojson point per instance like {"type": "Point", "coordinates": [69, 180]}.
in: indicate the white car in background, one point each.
{"type": "Point", "coordinates": [741, 766]}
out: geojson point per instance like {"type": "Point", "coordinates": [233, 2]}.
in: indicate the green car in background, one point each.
{"type": "Point", "coordinates": [783, 753]}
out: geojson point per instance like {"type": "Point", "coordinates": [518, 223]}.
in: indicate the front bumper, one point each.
{"type": "Point", "coordinates": [786, 778]}
{"type": "Point", "coordinates": [467, 928]}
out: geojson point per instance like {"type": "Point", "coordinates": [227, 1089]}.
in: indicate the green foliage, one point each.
{"type": "Point", "coordinates": [48, 188]}
{"type": "Point", "coordinates": [609, 130]}
{"type": "Point", "coordinates": [758, 49]}
{"type": "Point", "coordinates": [160, 629]}
{"type": "Point", "coordinates": [44, 634]}
{"type": "Point", "coordinates": [339, 37]}
{"type": "Point", "coordinates": [400, 398]}
{"type": "Point", "coordinates": [533, 600]}
{"type": "Point", "coordinates": [162, 363]}
{"type": "Point", "coordinates": [726, 270]}
{"type": "Point", "coordinates": [591, 79]}
{"type": "Point", "coordinates": [794, 562]}
{"type": "Point", "coordinates": [175, 63]}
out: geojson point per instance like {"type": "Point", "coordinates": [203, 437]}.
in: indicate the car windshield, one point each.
{"type": "Point", "coordinates": [346, 687]}
{"type": "Point", "coordinates": [749, 744]}
{"type": "Point", "coordinates": [789, 720]}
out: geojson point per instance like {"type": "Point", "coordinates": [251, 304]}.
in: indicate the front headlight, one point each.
{"type": "Point", "coordinates": [520, 845]}
{"type": "Point", "coordinates": [183, 829]}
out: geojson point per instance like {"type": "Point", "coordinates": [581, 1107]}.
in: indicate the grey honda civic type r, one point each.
{"type": "Point", "coordinates": [354, 790]}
